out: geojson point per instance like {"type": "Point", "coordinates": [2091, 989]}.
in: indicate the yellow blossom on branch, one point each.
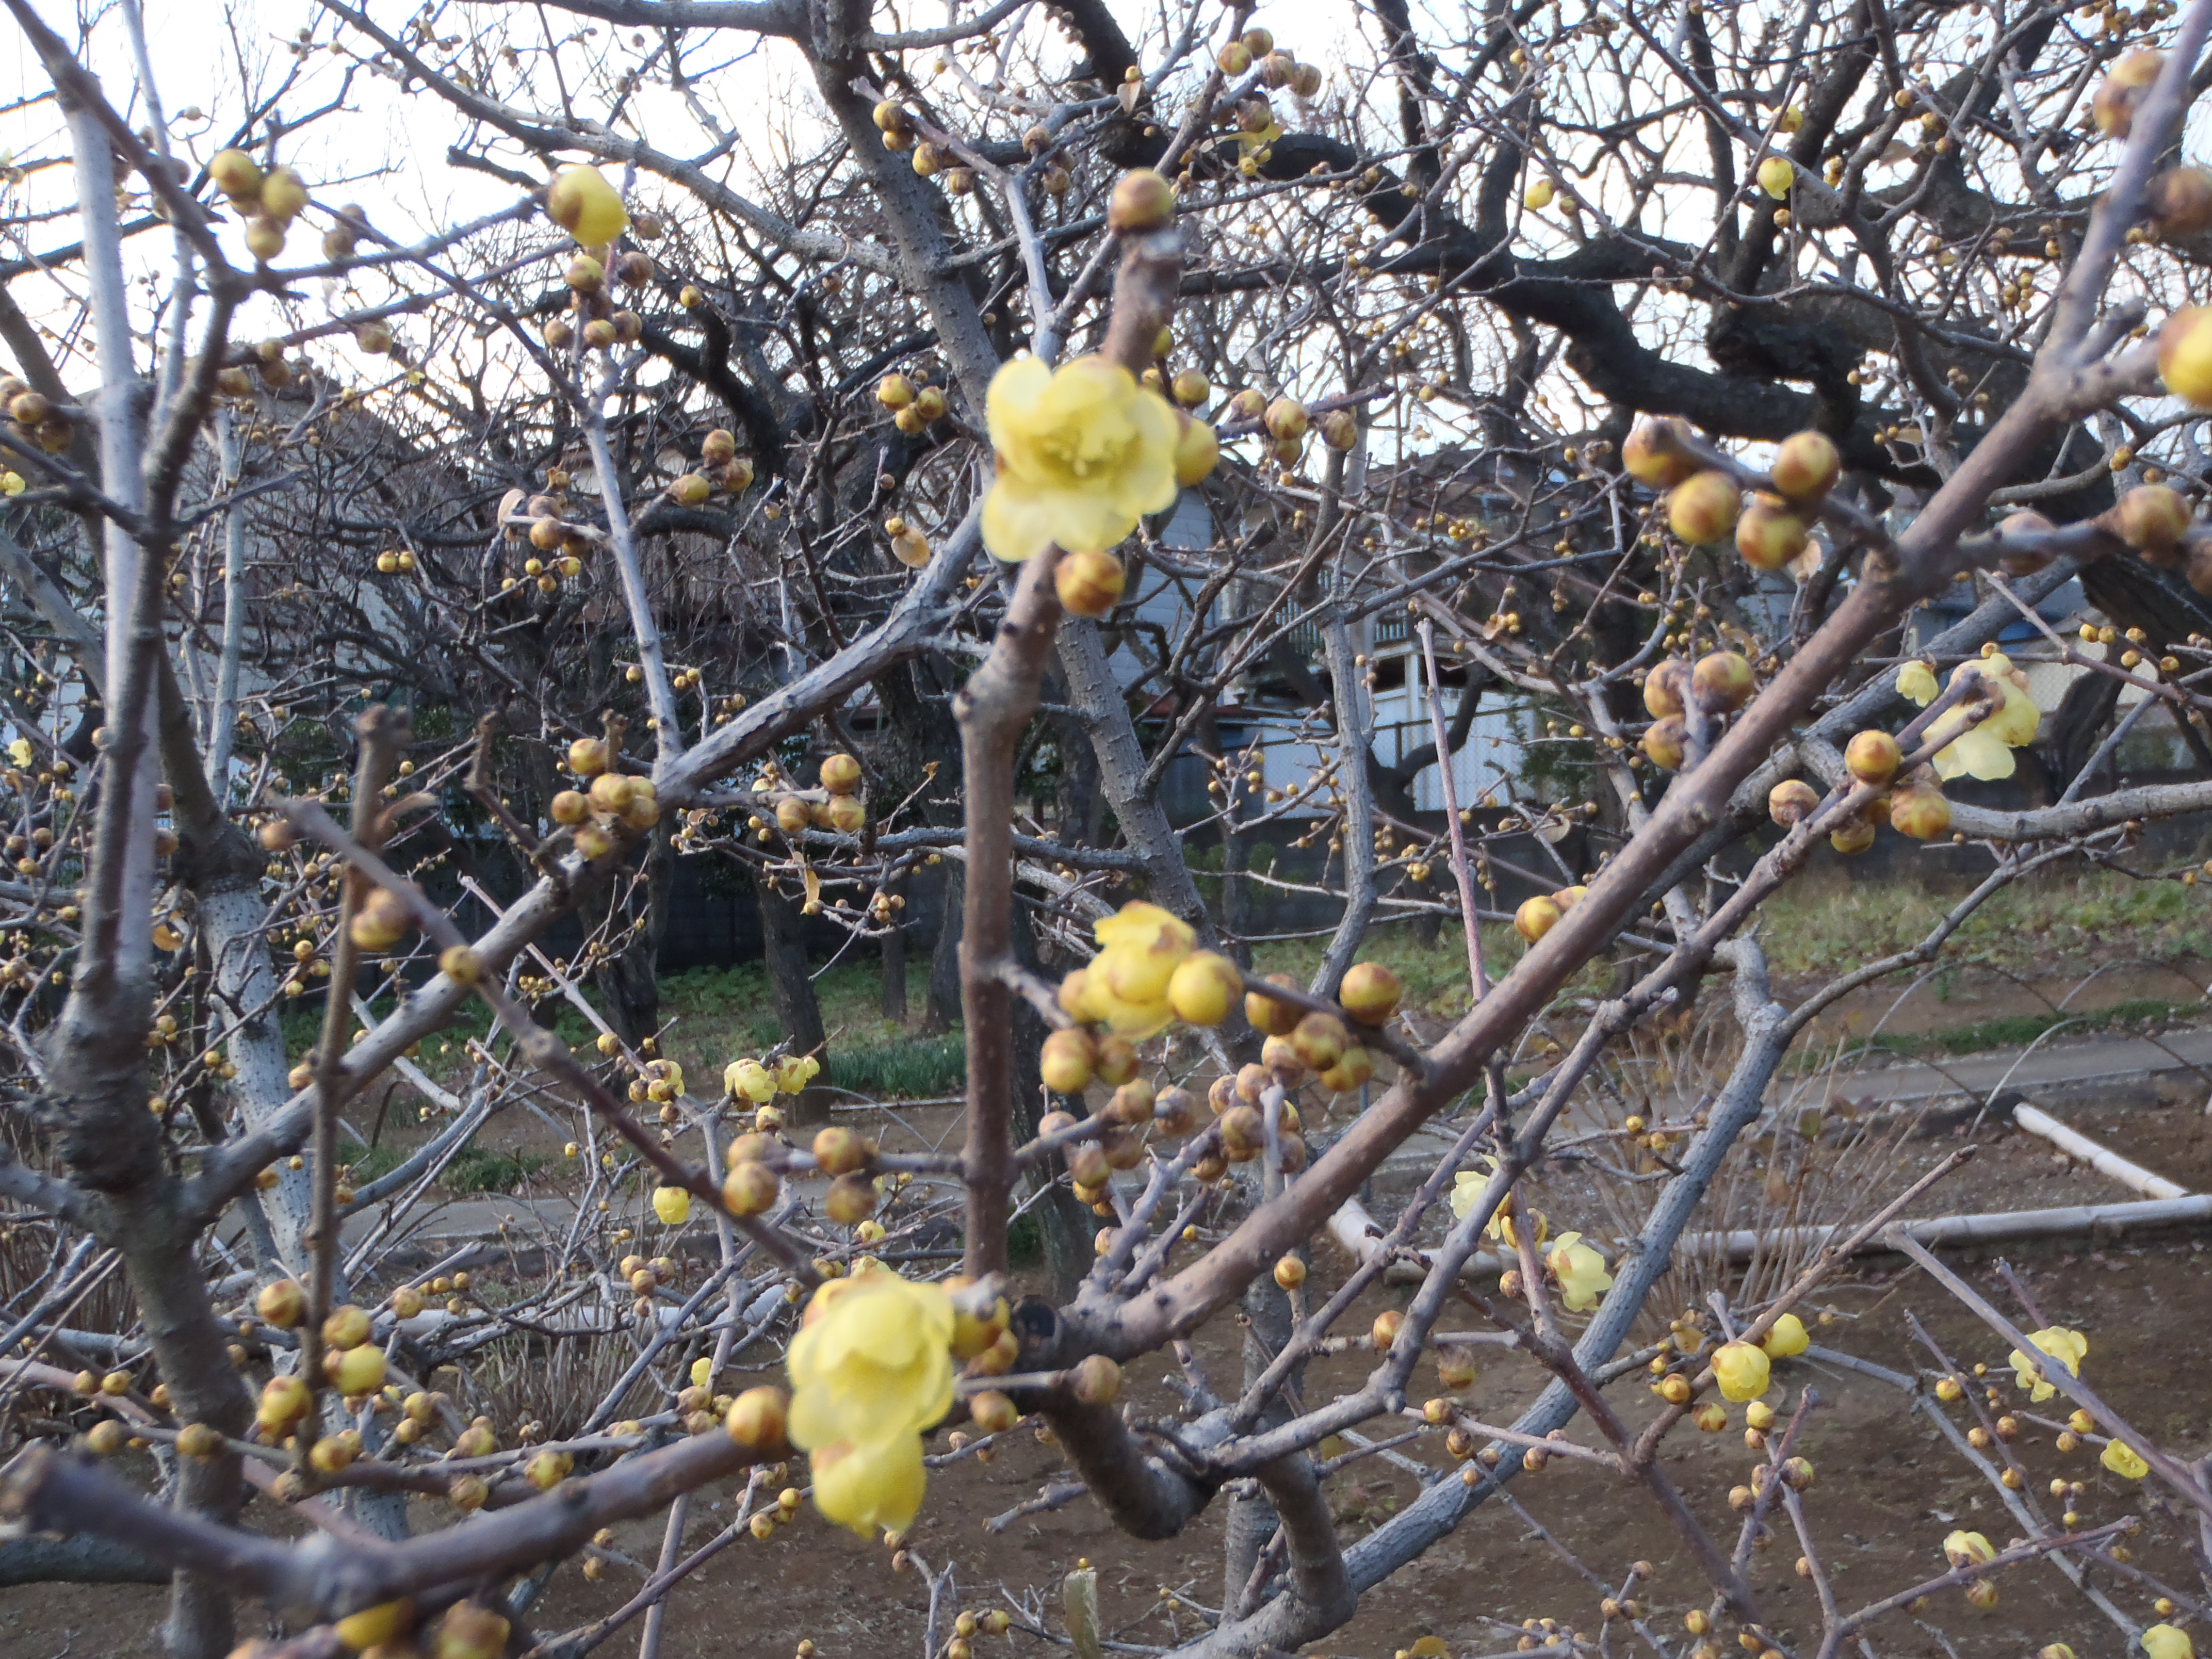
{"type": "Point", "coordinates": [751, 1080]}
{"type": "Point", "coordinates": [2166, 1642]}
{"type": "Point", "coordinates": [1917, 681]}
{"type": "Point", "coordinates": [1084, 452]}
{"type": "Point", "coordinates": [1125, 986]}
{"type": "Point", "coordinates": [871, 1368]}
{"type": "Point", "coordinates": [1581, 1272]}
{"type": "Point", "coordinates": [1787, 1339]}
{"type": "Point", "coordinates": [2124, 1461]}
{"type": "Point", "coordinates": [1985, 751]}
{"type": "Point", "coordinates": [1466, 1187]}
{"type": "Point", "coordinates": [1741, 1369]}
{"type": "Point", "coordinates": [2059, 1343]}
{"type": "Point", "coordinates": [1968, 1549]}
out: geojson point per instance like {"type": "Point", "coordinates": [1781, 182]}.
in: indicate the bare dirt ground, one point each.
{"type": "Point", "coordinates": [1888, 1486]}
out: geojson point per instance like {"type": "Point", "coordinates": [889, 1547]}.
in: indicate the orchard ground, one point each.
{"type": "Point", "coordinates": [1889, 1486]}
{"type": "Point", "coordinates": [1889, 1489]}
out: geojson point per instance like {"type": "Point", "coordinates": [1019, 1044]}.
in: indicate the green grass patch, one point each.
{"type": "Point", "coordinates": [474, 1169]}
{"type": "Point", "coordinates": [369, 1163]}
{"type": "Point", "coordinates": [912, 1070]}
{"type": "Point", "coordinates": [2024, 928]}
{"type": "Point", "coordinates": [480, 1170]}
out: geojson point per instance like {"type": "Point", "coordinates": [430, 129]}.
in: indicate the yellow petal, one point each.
{"type": "Point", "coordinates": [1138, 922]}
{"type": "Point", "coordinates": [1016, 521]}
{"type": "Point", "coordinates": [1917, 681]}
{"type": "Point", "coordinates": [1787, 1339]}
{"type": "Point", "coordinates": [871, 1486]}
{"type": "Point", "coordinates": [583, 203]}
{"type": "Point", "coordinates": [1741, 1369]}
{"type": "Point", "coordinates": [1010, 403]}
{"type": "Point", "coordinates": [1466, 1187]}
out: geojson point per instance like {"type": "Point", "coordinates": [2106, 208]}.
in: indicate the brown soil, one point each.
{"type": "Point", "coordinates": [1888, 1486]}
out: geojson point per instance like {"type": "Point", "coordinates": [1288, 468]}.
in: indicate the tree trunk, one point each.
{"type": "Point", "coordinates": [941, 1011]}
{"type": "Point", "coordinates": [894, 948]}
{"type": "Point", "coordinates": [1251, 1520]}
{"type": "Point", "coordinates": [1236, 897]}
{"type": "Point", "coordinates": [630, 983]}
{"type": "Point", "coordinates": [791, 990]}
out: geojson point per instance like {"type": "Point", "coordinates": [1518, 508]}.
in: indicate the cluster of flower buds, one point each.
{"type": "Point", "coordinates": [1277, 69]}
{"type": "Point", "coordinates": [837, 806]}
{"type": "Point", "coordinates": [915, 404]}
{"type": "Point", "coordinates": [269, 201]}
{"type": "Point", "coordinates": [543, 520]}
{"type": "Point", "coordinates": [604, 325]}
{"type": "Point", "coordinates": [613, 803]}
{"type": "Point", "coordinates": [1703, 504]}
{"type": "Point", "coordinates": [1717, 684]}
{"type": "Point", "coordinates": [719, 467]}
{"type": "Point", "coordinates": [753, 1184]}
{"type": "Point", "coordinates": [38, 419]}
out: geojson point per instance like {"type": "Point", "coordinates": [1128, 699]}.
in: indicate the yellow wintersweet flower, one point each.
{"type": "Point", "coordinates": [1968, 1549]}
{"type": "Point", "coordinates": [751, 1080]}
{"type": "Point", "coordinates": [1083, 453]}
{"type": "Point", "coordinates": [1466, 1187]}
{"type": "Point", "coordinates": [1787, 1339]}
{"type": "Point", "coordinates": [1125, 987]}
{"type": "Point", "coordinates": [1917, 680]}
{"type": "Point", "coordinates": [1741, 1369]}
{"type": "Point", "coordinates": [871, 1486]}
{"type": "Point", "coordinates": [2123, 1459]}
{"type": "Point", "coordinates": [870, 1368]}
{"type": "Point", "coordinates": [2061, 1345]}
{"type": "Point", "coordinates": [2165, 1641]}
{"type": "Point", "coordinates": [1985, 752]}
{"type": "Point", "coordinates": [873, 1357]}
{"type": "Point", "coordinates": [1581, 1272]}
{"type": "Point", "coordinates": [794, 1072]}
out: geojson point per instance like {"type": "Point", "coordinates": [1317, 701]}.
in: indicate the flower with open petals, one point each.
{"type": "Point", "coordinates": [1083, 453]}
{"type": "Point", "coordinates": [2060, 1344]}
{"type": "Point", "coordinates": [1741, 1369]}
{"type": "Point", "coordinates": [871, 1368]}
{"type": "Point", "coordinates": [1985, 752]}
{"type": "Point", "coordinates": [2165, 1641]}
{"type": "Point", "coordinates": [1581, 1272]}
{"type": "Point", "coordinates": [870, 1486]}
{"type": "Point", "coordinates": [751, 1079]}
{"type": "Point", "coordinates": [2124, 1461]}
{"type": "Point", "coordinates": [1968, 1549]}
{"type": "Point", "coordinates": [1466, 1189]}
{"type": "Point", "coordinates": [1787, 1339]}
{"type": "Point", "coordinates": [1917, 680]}
{"type": "Point", "coordinates": [794, 1072]}
{"type": "Point", "coordinates": [1125, 986]}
